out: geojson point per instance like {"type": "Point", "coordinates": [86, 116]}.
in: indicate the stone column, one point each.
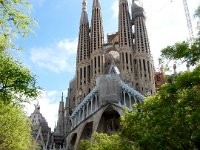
{"type": "Point", "coordinates": [130, 101]}
{"type": "Point", "coordinates": [87, 114]}
{"type": "Point", "coordinates": [124, 99]}
{"type": "Point", "coordinates": [96, 101]}
{"type": "Point", "coordinates": [91, 105]}
{"type": "Point", "coordinates": [83, 117]}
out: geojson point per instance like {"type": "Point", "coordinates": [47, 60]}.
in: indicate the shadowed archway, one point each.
{"type": "Point", "coordinates": [110, 121]}
{"type": "Point", "coordinates": [73, 140]}
{"type": "Point", "coordinates": [87, 131]}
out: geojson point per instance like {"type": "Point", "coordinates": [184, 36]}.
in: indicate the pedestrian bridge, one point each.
{"type": "Point", "coordinates": [108, 99]}
{"type": "Point", "coordinates": [111, 90]}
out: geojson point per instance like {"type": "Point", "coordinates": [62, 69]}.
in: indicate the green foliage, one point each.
{"type": "Point", "coordinates": [169, 120]}
{"type": "Point", "coordinates": [188, 52]}
{"type": "Point", "coordinates": [17, 84]}
{"type": "Point", "coordinates": [100, 141]}
{"type": "Point", "coordinates": [15, 21]}
{"type": "Point", "coordinates": [183, 51]}
{"type": "Point", "coordinates": [15, 130]}
{"type": "Point", "coordinates": [84, 145]}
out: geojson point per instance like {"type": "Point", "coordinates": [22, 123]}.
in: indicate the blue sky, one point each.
{"type": "Point", "coordinates": [51, 51]}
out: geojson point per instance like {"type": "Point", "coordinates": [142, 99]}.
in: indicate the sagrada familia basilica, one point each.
{"type": "Point", "coordinates": [110, 77]}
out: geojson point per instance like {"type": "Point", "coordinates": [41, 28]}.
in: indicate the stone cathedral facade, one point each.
{"type": "Point", "coordinates": [130, 42]}
{"type": "Point", "coordinates": [110, 76]}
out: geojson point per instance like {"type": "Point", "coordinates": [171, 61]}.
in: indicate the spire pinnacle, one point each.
{"type": "Point", "coordinates": [62, 97]}
{"type": "Point", "coordinates": [96, 4]}
{"type": "Point", "coordinates": [123, 1]}
{"type": "Point", "coordinates": [37, 106]}
{"type": "Point", "coordinates": [84, 17]}
{"type": "Point", "coordinates": [84, 5]}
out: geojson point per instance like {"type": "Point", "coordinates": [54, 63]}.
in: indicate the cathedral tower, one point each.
{"type": "Point", "coordinates": [97, 35]}
{"type": "Point", "coordinates": [125, 42]}
{"type": "Point", "coordinates": [143, 62]}
{"type": "Point", "coordinates": [97, 41]}
{"type": "Point", "coordinates": [83, 56]}
{"type": "Point", "coordinates": [61, 118]}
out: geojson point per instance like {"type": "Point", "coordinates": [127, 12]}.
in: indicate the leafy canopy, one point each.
{"type": "Point", "coordinates": [169, 120]}
{"type": "Point", "coordinates": [15, 21]}
{"type": "Point", "coordinates": [100, 141]}
{"type": "Point", "coordinates": [183, 51]}
{"type": "Point", "coordinates": [17, 84]}
{"type": "Point", "coordinates": [15, 129]}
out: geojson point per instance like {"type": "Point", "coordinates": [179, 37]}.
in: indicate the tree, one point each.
{"type": "Point", "coordinates": [15, 21]}
{"type": "Point", "coordinates": [101, 141]}
{"type": "Point", "coordinates": [17, 84]}
{"type": "Point", "coordinates": [15, 129]}
{"type": "Point", "coordinates": [183, 51]}
{"type": "Point", "coordinates": [169, 120]}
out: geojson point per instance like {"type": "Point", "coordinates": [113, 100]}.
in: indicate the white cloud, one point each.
{"type": "Point", "coordinates": [115, 9]}
{"type": "Point", "coordinates": [69, 46]}
{"type": "Point", "coordinates": [57, 58]}
{"type": "Point", "coordinates": [49, 104]}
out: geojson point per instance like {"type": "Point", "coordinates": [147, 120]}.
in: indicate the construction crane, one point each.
{"type": "Point", "coordinates": [189, 23]}
{"type": "Point", "coordinates": [187, 15]}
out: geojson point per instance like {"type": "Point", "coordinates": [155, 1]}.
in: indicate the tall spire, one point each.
{"type": "Point", "coordinates": [125, 42]}
{"type": "Point", "coordinates": [83, 50]}
{"type": "Point", "coordinates": [83, 42]}
{"type": "Point", "coordinates": [61, 106]}
{"type": "Point", "coordinates": [125, 30]}
{"type": "Point", "coordinates": [97, 35]}
{"type": "Point", "coordinates": [143, 63]}
{"type": "Point", "coordinates": [97, 42]}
